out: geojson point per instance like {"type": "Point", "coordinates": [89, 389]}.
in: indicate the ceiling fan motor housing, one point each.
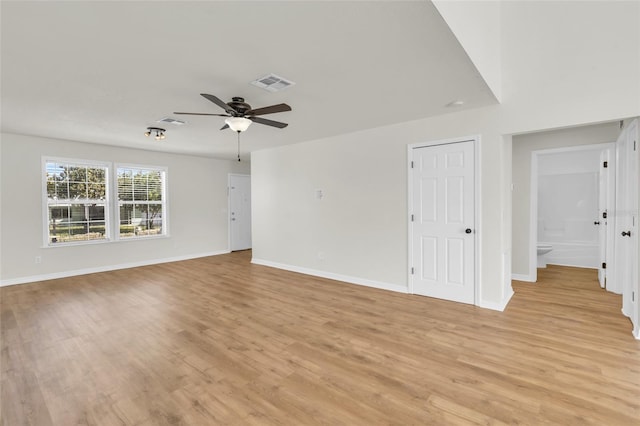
{"type": "Point", "coordinates": [239, 105]}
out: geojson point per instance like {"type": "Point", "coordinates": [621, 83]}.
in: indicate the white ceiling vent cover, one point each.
{"type": "Point", "coordinates": [272, 83]}
{"type": "Point", "coordinates": [171, 121]}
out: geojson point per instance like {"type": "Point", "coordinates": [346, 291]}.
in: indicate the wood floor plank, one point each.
{"type": "Point", "coordinates": [220, 341]}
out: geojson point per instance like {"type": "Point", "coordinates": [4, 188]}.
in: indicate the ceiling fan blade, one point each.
{"type": "Point", "coordinates": [269, 110]}
{"type": "Point", "coordinates": [202, 113]}
{"type": "Point", "coordinates": [226, 126]}
{"type": "Point", "coordinates": [272, 123]}
{"type": "Point", "coordinates": [219, 102]}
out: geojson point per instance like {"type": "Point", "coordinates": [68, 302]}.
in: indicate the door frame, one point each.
{"type": "Point", "coordinates": [477, 284]}
{"type": "Point", "coordinates": [229, 177]}
{"type": "Point", "coordinates": [533, 199]}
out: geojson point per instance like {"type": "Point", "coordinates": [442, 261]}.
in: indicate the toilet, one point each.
{"type": "Point", "coordinates": [542, 250]}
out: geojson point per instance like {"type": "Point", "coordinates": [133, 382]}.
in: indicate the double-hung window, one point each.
{"type": "Point", "coordinates": [77, 201]}
{"type": "Point", "coordinates": [141, 201]}
{"type": "Point", "coordinates": [85, 201]}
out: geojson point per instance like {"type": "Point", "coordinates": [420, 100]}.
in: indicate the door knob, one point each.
{"type": "Point", "coordinates": [468, 230]}
{"type": "Point", "coordinates": [596, 223]}
{"type": "Point", "coordinates": [626, 234]}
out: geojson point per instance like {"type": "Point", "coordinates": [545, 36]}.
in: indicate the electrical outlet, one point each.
{"type": "Point", "coordinates": [38, 259]}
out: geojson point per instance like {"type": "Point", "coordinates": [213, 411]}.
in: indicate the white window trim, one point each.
{"type": "Point", "coordinates": [45, 203]}
{"type": "Point", "coordinates": [116, 203]}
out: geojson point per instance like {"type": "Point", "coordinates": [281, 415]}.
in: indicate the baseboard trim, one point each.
{"type": "Point", "coordinates": [332, 276]}
{"type": "Point", "coordinates": [65, 274]}
{"type": "Point", "coordinates": [499, 306]}
{"type": "Point", "coordinates": [523, 277]}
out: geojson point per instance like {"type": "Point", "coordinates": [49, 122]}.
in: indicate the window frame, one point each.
{"type": "Point", "coordinates": [111, 202]}
{"type": "Point", "coordinates": [46, 238]}
{"type": "Point", "coordinates": [116, 201]}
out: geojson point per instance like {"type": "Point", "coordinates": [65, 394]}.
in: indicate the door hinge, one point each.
{"type": "Point", "coordinates": [412, 219]}
{"type": "Point", "coordinates": [633, 296]}
{"type": "Point", "coordinates": [606, 164]}
{"type": "Point", "coordinates": [412, 164]}
{"type": "Point", "coordinates": [412, 271]}
{"type": "Point", "coordinates": [604, 215]}
{"type": "Point", "coordinates": [604, 265]}
{"type": "Point", "coordinates": [634, 145]}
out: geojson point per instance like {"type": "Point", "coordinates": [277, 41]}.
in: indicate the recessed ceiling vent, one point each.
{"type": "Point", "coordinates": [272, 83]}
{"type": "Point", "coordinates": [171, 121]}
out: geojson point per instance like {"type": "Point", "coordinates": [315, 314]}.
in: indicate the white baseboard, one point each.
{"type": "Point", "coordinates": [65, 274]}
{"type": "Point", "coordinates": [497, 306]}
{"type": "Point", "coordinates": [522, 277]}
{"type": "Point", "coordinates": [332, 276]}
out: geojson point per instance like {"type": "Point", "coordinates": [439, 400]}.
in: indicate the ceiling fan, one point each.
{"type": "Point", "coordinates": [240, 113]}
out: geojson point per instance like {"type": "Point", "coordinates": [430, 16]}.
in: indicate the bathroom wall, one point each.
{"type": "Point", "coordinates": [523, 146]}
{"type": "Point", "coordinates": [568, 206]}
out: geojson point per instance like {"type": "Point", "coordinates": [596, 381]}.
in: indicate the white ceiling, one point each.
{"type": "Point", "coordinates": [101, 72]}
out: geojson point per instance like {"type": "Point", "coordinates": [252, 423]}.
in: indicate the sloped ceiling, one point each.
{"type": "Point", "coordinates": [101, 72]}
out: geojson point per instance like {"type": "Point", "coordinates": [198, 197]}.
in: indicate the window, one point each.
{"type": "Point", "coordinates": [77, 201]}
{"type": "Point", "coordinates": [79, 207]}
{"type": "Point", "coordinates": [141, 201]}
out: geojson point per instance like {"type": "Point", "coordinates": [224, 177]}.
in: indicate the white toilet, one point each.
{"type": "Point", "coordinates": [543, 249]}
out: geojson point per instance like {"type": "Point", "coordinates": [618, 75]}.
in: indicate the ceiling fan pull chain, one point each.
{"type": "Point", "coordinates": [238, 146]}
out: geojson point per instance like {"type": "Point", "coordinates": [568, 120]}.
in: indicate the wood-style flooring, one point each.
{"type": "Point", "coordinates": [217, 340]}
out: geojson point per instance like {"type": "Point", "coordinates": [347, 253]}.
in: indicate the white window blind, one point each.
{"type": "Point", "coordinates": [141, 201]}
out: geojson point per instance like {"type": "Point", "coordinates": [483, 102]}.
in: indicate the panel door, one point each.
{"type": "Point", "coordinates": [443, 231]}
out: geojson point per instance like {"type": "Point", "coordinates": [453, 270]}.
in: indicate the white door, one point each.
{"type": "Point", "coordinates": [626, 246]}
{"type": "Point", "coordinates": [442, 226]}
{"type": "Point", "coordinates": [601, 220]}
{"type": "Point", "coordinates": [239, 212]}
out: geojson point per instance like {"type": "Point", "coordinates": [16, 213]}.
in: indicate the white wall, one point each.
{"type": "Point", "coordinates": [197, 191]}
{"type": "Point", "coordinates": [358, 230]}
{"type": "Point", "coordinates": [566, 63]}
{"type": "Point", "coordinates": [523, 146]}
{"type": "Point", "coordinates": [476, 25]}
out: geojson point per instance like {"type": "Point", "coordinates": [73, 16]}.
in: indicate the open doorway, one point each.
{"type": "Point", "coordinates": [572, 193]}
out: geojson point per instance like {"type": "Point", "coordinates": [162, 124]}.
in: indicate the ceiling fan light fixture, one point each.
{"type": "Point", "coordinates": [238, 124]}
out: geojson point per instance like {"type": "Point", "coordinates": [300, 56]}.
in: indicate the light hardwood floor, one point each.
{"type": "Point", "coordinates": [217, 341]}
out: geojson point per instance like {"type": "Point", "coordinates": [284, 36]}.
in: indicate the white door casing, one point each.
{"type": "Point", "coordinates": [600, 221]}
{"type": "Point", "coordinates": [239, 212]}
{"type": "Point", "coordinates": [610, 205]}
{"type": "Point", "coordinates": [606, 206]}
{"type": "Point", "coordinates": [442, 220]}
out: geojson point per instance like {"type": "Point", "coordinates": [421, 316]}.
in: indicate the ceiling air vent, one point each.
{"type": "Point", "coordinates": [272, 83]}
{"type": "Point", "coordinates": [171, 121]}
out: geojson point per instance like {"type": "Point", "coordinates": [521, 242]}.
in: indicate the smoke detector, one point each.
{"type": "Point", "coordinates": [272, 83]}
